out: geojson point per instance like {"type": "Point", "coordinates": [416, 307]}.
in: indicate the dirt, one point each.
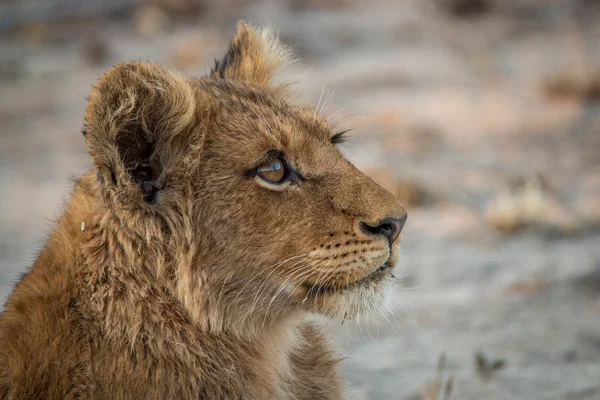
{"type": "Point", "coordinates": [479, 114]}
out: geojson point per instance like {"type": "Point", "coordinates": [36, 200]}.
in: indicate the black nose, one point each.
{"type": "Point", "coordinates": [388, 227]}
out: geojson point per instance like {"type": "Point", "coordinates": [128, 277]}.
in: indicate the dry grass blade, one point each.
{"type": "Point", "coordinates": [439, 390]}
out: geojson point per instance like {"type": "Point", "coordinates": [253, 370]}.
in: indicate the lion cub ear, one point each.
{"type": "Point", "coordinates": [134, 114]}
{"type": "Point", "coordinates": [254, 55]}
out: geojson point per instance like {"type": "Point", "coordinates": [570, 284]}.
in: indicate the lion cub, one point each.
{"type": "Point", "coordinates": [216, 216]}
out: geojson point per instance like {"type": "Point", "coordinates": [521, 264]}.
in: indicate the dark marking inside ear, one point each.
{"type": "Point", "coordinates": [143, 174]}
{"type": "Point", "coordinates": [136, 152]}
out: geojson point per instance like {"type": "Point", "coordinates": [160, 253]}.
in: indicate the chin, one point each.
{"type": "Point", "coordinates": [366, 297]}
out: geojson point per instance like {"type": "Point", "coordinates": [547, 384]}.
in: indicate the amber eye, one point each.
{"type": "Point", "coordinates": [273, 172]}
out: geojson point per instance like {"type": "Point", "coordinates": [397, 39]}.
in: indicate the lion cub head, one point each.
{"type": "Point", "coordinates": [235, 199]}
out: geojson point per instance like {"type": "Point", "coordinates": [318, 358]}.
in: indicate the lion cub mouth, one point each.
{"type": "Point", "coordinates": [376, 276]}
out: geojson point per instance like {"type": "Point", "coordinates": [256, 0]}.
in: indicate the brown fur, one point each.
{"type": "Point", "coordinates": [173, 272]}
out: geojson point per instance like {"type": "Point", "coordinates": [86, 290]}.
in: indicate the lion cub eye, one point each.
{"type": "Point", "coordinates": [274, 172]}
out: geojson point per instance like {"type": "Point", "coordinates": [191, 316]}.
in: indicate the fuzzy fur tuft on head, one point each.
{"type": "Point", "coordinates": [254, 55]}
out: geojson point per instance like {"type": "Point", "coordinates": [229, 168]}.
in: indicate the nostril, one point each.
{"type": "Point", "coordinates": [369, 228]}
{"type": "Point", "coordinates": [389, 227]}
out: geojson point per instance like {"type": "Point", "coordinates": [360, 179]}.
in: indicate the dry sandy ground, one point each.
{"type": "Point", "coordinates": [469, 120]}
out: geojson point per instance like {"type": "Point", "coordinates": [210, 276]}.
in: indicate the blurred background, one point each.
{"type": "Point", "coordinates": [482, 116]}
